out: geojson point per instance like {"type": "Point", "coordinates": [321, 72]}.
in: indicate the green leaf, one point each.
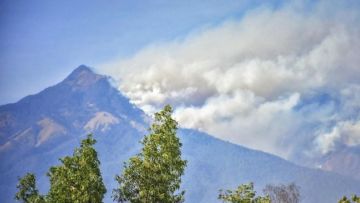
{"type": "Point", "coordinates": [154, 175]}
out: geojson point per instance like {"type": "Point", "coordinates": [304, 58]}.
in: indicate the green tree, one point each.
{"type": "Point", "coordinates": [354, 198]}
{"type": "Point", "coordinates": [78, 178]}
{"type": "Point", "coordinates": [154, 175]}
{"type": "Point", "coordinates": [245, 193]}
{"type": "Point", "coordinates": [28, 193]}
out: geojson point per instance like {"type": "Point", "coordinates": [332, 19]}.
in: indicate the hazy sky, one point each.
{"type": "Point", "coordinates": [282, 77]}
{"type": "Point", "coordinates": [42, 41]}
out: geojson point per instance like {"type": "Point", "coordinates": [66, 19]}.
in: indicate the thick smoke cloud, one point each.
{"type": "Point", "coordinates": [285, 80]}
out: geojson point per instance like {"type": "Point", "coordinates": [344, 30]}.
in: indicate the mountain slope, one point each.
{"type": "Point", "coordinates": [41, 128]}
{"type": "Point", "coordinates": [345, 161]}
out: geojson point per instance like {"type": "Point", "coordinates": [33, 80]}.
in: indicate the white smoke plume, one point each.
{"type": "Point", "coordinates": [285, 80]}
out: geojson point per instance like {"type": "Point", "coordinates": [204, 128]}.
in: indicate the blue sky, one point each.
{"type": "Point", "coordinates": [283, 79]}
{"type": "Point", "coordinates": [42, 41]}
{"type": "Point", "coordinates": [279, 77]}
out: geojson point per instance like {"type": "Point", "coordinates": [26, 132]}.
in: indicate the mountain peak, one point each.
{"type": "Point", "coordinates": [81, 70]}
{"type": "Point", "coordinates": [82, 76]}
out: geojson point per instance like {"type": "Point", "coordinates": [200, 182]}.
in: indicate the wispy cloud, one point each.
{"type": "Point", "coordinates": [286, 80]}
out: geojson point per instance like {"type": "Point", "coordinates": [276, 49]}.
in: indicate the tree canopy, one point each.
{"type": "Point", "coordinates": [28, 193]}
{"type": "Point", "coordinates": [354, 199]}
{"type": "Point", "coordinates": [154, 175]}
{"type": "Point", "coordinates": [245, 193]}
{"type": "Point", "coordinates": [76, 180]}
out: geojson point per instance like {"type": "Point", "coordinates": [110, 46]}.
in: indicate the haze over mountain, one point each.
{"type": "Point", "coordinates": [288, 76]}
{"type": "Point", "coordinates": [41, 128]}
{"type": "Point", "coordinates": [345, 162]}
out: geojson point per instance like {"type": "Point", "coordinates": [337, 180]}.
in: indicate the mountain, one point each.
{"type": "Point", "coordinates": [41, 128]}
{"type": "Point", "coordinates": [345, 161]}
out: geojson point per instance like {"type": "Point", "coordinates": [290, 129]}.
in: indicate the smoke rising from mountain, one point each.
{"type": "Point", "coordinates": [285, 80]}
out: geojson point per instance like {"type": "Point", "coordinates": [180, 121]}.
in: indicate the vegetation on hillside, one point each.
{"type": "Point", "coordinates": [152, 176]}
